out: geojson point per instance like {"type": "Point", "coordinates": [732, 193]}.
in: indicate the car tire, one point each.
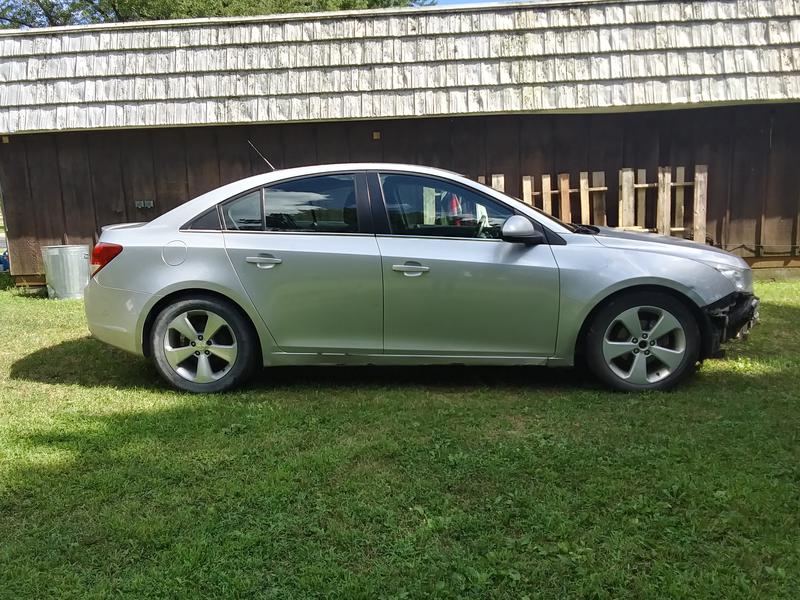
{"type": "Point", "coordinates": [657, 354]}
{"type": "Point", "coordinates": [189, 360]}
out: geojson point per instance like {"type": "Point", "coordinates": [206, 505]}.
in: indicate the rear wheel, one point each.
{"type": "Point", "coordinates": [203, 345]}
{"type": "Point", "coordinates": [643, 341]}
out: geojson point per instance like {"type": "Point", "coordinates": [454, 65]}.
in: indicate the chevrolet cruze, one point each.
{"type": "Point", "coordinates": [390, 264]}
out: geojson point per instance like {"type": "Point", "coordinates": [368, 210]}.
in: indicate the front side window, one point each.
{"type": "Point", "coordinates": [425, 206]}
{"type": "Point", "coordinates": [324, 204]}
{"type": "Point", "coordinates": [244, 213]}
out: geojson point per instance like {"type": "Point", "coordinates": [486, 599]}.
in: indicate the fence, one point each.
{"type": "Point", "coordinates": [672, 215]}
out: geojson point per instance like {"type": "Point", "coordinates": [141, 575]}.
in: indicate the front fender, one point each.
{"type": "Point", "coordinates": [590, 273]}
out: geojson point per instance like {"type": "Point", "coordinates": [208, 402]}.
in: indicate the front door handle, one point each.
{"type": "Point", "coordinates": [263, 261]}
{"type": "Point", "coordinates": [411, 269]}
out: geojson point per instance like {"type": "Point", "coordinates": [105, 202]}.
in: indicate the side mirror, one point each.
{"type": "Point", "coordinates": [519, 230]}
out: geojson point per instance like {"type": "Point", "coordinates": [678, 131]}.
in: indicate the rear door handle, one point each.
{"type": "Point", "coordinates": [411, 269]}
{"type": "Point", "coordinates": [263, 261]}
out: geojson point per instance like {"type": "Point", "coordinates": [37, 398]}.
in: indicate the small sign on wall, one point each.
{"type": "Point", "coordinates": [144, 204]}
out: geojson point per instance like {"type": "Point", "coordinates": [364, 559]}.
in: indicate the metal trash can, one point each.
{"type": "Point", "coordinates": [66, 269]}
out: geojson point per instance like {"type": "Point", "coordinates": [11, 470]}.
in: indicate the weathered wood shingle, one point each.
{"type": "Point", "coordinates": [557, 56]}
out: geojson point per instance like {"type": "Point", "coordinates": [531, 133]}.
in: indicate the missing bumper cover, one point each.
{"type": "Point", "coordinates": [730, 318]}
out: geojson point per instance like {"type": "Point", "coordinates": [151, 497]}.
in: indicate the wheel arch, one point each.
{"type": "Point", "coordinates": [194, 293]}
{"type": "Point", "coordinates": [703, 322]}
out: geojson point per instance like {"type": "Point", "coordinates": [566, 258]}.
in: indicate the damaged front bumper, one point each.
{"type": "Point", "coordinates": [729, 318]}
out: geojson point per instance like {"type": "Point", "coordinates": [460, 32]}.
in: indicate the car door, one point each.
{"type": "Point", "coordinates": [451, 285]}
{"type": "Point", "coordinates": [301, 253]}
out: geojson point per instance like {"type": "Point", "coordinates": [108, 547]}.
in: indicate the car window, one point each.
{"type": "Point", "coordinates": [208, 221]}
{"type": "Point", "coordinates": [244, 213]}
{"type": "Point", "coordinates": [425, 206]}
{"type": "Point", "coordinates": [325, 203]}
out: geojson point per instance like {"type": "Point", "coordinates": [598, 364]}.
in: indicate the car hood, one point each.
{"type": "Point", "coordinates": [662, 244]}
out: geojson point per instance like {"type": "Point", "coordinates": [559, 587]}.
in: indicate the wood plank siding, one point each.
{"type": "Point", "coordinates": [594, 55]}
{"type": "Point", "coordinates": [61, 187]}
{"type": "Point", "coordinates": [111, 123]}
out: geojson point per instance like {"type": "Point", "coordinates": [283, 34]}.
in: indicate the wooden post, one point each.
{"type": "Point", "coordinates": [680, 180]}
{"type": "Point", "coordinates": [563, 189]}
{"type": "Point", "coordinates": [663, 220]}
{"type": "Point", "coordinates": [547, 195]}
{"type": "Point", "coordinates": [700, 198]}
{"type": "Point", "coordinates": [499, 182]}
{"type": "Point", "coordinates": [527, 189]}
{"type": "Point", "coordinates": [599, 200]}
{"type": "Point", "coordinates": [641, 198]}
{"type": "Point", "coordinates": [428, 205]}
{"type": "Point", "coordinates": [626, 193]}
{"type": "Point", "coordinates": [584, 188]}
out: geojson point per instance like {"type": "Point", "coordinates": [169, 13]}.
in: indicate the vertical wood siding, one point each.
{"type": "Point", "coordinates": [61, 188]}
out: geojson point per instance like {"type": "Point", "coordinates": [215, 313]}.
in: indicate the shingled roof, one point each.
{"type": "Point", "coordinates": [594, 55]}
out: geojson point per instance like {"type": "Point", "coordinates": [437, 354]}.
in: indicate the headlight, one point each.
{"type": "Point", "coordinates": [740, 277]}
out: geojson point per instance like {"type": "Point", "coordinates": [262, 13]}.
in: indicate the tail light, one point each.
{"type": "Point", "coordinates": [103, 254]}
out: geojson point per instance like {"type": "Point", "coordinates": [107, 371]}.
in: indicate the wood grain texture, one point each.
{"type": "Point", "coordinates": [564, 196]}
{"type": "Point", "coordinates": [80, 226]}
{"type": "Point", "coordinates": [45, 184]}
{"type": "Point", "coordinates": [202, 162]}
{"type": "Point", "coordinates": [138, 174]}
{"type": "Point", "coordinates": [664, 207]}
{"type": "Point", "coordinates": [108, 188]}
{"type": "Point", "coordinates": [700, 203]}
{"type": "Point", "coordinates": [89, 179]}
{"type": "Point", "coordinates": [626, 199]}
{"type": "Point", "coordinates": [599, 199]}
{"type": "Point", "coordinates": [171, 179]}
{"type": "Point", "coordinates": [748, 179]}
{"type": "Point", "coordinates": [585, 201]}
{"type": "Point", "coordinates": [19, 212]}
{"type": "Point", "coordinates": [382, 64]}
{"type": "Point", "coordinates": [779, 208]}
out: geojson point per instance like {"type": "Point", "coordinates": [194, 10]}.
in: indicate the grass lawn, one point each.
{"type": "Point", "coordinates": [395, 483]}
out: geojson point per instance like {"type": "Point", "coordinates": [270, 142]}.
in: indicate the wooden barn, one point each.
{"type": "Point", "coordinates": [104, 124]}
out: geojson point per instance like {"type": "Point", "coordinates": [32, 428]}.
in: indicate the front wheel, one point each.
{"type": "Point", "coordinates": [203, 345]}
{"type": "Point", "coordinates": [643, 341]}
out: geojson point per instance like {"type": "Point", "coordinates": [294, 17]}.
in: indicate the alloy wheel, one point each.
{"type": "Point", "coordinates": [200, 346]}
{"type": "Point", "coordinates": [644, 345]}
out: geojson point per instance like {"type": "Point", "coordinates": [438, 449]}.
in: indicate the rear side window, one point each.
{"type": "Point", "coordinates": [208, 221]}
{"type": "Point", "coordinates": [244, 213]}
{"type": "Point", "coordinates": [324, 204]}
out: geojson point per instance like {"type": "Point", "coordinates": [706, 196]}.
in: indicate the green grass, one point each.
{"type": "Point", "coordinates": [394, 483]}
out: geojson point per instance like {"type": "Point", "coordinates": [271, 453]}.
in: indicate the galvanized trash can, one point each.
{"type": "Point", "coordinates": [66, 269]}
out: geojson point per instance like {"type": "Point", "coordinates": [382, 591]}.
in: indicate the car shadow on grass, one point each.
{"type": "Point", "coordinates": [89, 363]}
{"type": "Point", "coordinates": [85, 362]}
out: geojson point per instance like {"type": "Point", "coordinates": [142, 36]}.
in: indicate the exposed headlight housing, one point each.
{"type": "Point", "coordinates": [740, 277]}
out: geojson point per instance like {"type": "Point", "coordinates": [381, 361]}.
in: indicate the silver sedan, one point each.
{"type": "Point", "coordinates": [405, 265]}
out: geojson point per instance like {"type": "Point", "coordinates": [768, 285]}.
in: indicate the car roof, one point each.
{"type": "Point", "coordinates": [179, 216]}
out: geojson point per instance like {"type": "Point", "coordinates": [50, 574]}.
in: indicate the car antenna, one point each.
{"type": "Point", "coordinates": [269, 164]}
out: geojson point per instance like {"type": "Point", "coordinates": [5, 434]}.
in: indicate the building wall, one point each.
{"type": "Point", "coordinates": [556, 56]}
{"type": "Point", "coordinates": [62, 187]}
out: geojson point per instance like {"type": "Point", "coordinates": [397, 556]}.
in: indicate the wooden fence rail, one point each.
{"type": "Point", "coordinates": [670, 206]}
